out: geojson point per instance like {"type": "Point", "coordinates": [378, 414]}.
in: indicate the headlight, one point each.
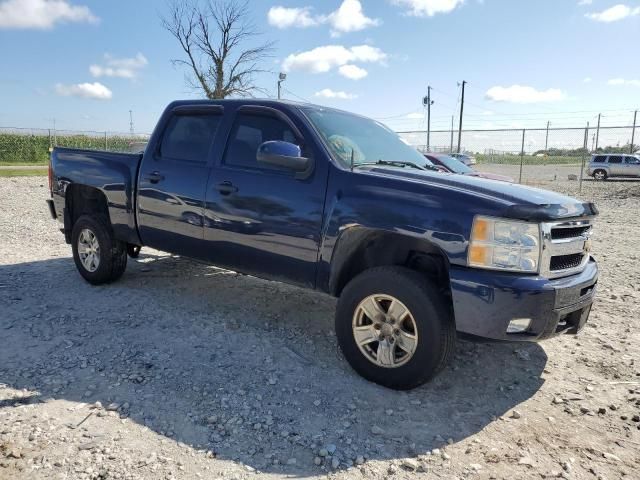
{"type": "Point", "coordinates": [502, 244]}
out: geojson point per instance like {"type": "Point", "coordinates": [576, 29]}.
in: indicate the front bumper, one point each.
{"type": "Point", "coordinates": [485, 302]}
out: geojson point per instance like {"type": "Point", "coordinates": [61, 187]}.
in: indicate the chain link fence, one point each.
{"type": "Point", "coordinates": [31, 146]}
{"type": "Point", "coordinates": [555, 158]}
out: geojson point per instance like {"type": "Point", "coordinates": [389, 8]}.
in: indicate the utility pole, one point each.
{"type": "Point", "coordinates": [451, 146]}
{"type": "Point", "coordinates": [633, 130]}
{"type": "Point", "coordinates": [464, 82]}
{"type": "Point", "coordinates": [131, 122]}
{"type": "Point", "coordinates": [597, 133]}
{"type": "Point", "coordinates": [281, 78]}
{"type": "Point", "coordinates": [546, 140]}
{"type": "Point", "coordinates": [426, 101]}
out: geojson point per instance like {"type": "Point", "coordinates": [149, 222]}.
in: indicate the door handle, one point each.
{"type": "Point", "coordinates": [226, 188]}
{"type": "Point", "coordinates": [154, 177]}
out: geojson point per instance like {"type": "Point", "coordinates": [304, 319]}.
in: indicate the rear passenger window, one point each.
{"type": "Point", "coordinates": [615, 159]}
{"type": "Point", "coordinates": [188, 137]}
{"type": "Point", "coordinates": [599, 158]}
{"type": "Point", "coordinates": [248, 133]}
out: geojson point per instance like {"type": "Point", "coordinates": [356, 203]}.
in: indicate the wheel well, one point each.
{"type": "Point", "coordinates": [378, 249]}
{"type": "Point", "coordinates": [83, 200]}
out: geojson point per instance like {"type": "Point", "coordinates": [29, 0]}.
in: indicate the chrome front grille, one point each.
{"type": "Point", "coordinates": [565, 247]}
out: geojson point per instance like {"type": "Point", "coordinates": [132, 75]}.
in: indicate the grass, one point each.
{"type": "Point", "coordinates": [44, 163]}
{"type": "Point", "coordinates": [18, 172]}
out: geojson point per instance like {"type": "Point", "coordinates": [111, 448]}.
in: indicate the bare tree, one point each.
{"type": "Point", "coordinates": [217, 38]}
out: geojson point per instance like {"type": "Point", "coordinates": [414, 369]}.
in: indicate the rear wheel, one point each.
{"type": "Point", "coordinates": [394, 327]}
{"type": "Point", "coordinates": [98, 255]}
{"type": "Point", "coordinates": [600, 175]}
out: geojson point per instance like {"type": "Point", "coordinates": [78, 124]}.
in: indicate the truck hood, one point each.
{"type": "Point", "coordinates": [520, 202]}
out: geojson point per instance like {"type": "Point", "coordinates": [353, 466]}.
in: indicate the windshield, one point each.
{"type": "Point", "coordinates": [367, 140]}
{"type": "Point", "coordinates": [453, 164]}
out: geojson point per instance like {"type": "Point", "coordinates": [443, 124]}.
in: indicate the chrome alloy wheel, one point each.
{"type": "Point", "coordinates": [385, 331]}
{"type": "Point", "coordinates": [89, 250]}
{"type": "Point", "coordinates": [599, 175]}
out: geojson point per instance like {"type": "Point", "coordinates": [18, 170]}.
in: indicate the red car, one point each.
{"type": "Point", "coordinates": [453, 165]}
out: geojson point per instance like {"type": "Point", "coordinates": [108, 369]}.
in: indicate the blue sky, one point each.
{"type": "Point", "coordinates": [86, 63]}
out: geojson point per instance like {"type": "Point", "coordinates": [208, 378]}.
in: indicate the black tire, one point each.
{"type": "Point", "coordinates": [433, 319]}
{"type": "Point", "coordinates": [603, 172]}
{"type": "Point", "coordinates": [113, 253]}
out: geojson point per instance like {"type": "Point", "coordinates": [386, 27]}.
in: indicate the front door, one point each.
{"type": "Point", "coordinates": [172, 184]}
{"type": "Point", "coordinates": [616, 165]}
{"type": "Point", "coordinates": [260, 219]}
{"type": "Point", "coordinates": [632, 166]}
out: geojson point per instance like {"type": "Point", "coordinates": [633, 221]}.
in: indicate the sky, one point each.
{"type": "Point", "coordinates": [87, 63]}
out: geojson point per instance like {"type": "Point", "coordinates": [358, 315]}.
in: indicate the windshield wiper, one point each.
{"type": "Point", "coordinates": [397, 163]}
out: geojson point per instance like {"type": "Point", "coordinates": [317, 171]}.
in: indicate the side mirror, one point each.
{"type": "Point", "coordinates": [285, 155]}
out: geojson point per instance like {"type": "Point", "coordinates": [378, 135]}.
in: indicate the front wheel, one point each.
{"type": "Point", "coordinates": [98, 255]}
{"type": "Point", "coordinates": [395, 327]}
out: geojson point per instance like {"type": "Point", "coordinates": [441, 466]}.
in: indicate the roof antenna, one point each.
{"type": "Point", "coordinates": [352, 159]}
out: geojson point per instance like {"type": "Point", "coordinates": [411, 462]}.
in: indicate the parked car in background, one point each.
{"type": "Point", "coordinates": [465, 158]}
{"type": "Point", "coordinates": [453, 165]}
{"type": "Point", "coordinates": [603, 166]}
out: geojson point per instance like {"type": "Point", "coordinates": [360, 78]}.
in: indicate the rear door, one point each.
{"type": "Point", "coordinates": [260, 219]}
{"type": "Point", "coordinates": [173, 179]}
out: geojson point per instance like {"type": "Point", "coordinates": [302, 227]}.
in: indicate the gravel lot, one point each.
{"type": "Point", "coordinates": [181, 370]}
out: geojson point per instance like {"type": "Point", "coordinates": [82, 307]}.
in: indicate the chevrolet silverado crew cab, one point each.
{"type": "Point", "coordinates": [336, 202]}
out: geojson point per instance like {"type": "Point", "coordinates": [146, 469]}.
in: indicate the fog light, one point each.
{"type": "Point", "coordinates": [519, 325]}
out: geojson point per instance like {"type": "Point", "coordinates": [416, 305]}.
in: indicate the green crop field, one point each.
{"type": "Point", "coordinates": [34, 149]}
{"type": "Point", "coordinates": [530, 159]}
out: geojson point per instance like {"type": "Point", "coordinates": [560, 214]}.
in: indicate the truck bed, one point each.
{"type": "Point", "coordinates": [114, 174]}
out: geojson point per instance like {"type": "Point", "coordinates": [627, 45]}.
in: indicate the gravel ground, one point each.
{"type": "Point", "coordinates": [181, 370]}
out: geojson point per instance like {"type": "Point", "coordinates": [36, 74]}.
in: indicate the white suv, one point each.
{"type": "Point", "coordinates": [603, 166]}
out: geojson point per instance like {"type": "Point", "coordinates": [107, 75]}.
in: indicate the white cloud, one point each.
{"type": "Point", "coordinates": [349, 17]}
{"type": "Point", "coordinates": [524, 94]}
{"type": "Point", "coordinates": [415, 116]}
{"type": "Point", "coordinates": [352, 72]}
{"type": "Point", "coordinates": [42, 14]}
{"type": "Point", "coordinates": [325, 58]}
{"type": "Point", "coordinates": [622, 81]}
{"type": "Point", "coordinates": [428, 8]}
{"type": "Point", "coordinates": [119, 67]}
{"type": "Point", "coordinates": [282, 17]}
{"type": "Point", "coordinates": [328, 93]}
{"type": "Point", "coordinates": [586, 80]}
{"type": "Point", "coordinates": [85, 90]}
{"type": "Point", "coordinates": [613, 14]}
{"type": "Point", "coordinates": [585, 2]}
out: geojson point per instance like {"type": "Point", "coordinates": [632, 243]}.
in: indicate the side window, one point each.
{"type": "Point", "coordinates": [599, 158]}
{"type": "Point", "coordinates": [189, 137]}
{"type": "Point", "coordinates": [615, 159]}
{"type": "Point", "coordinates": [631, 160]}
{"type": "Point", "coordinates": [248, 132]}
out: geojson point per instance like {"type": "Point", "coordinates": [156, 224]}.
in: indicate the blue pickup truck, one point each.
{"type": "Point", "coordinates": [336, 202]}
